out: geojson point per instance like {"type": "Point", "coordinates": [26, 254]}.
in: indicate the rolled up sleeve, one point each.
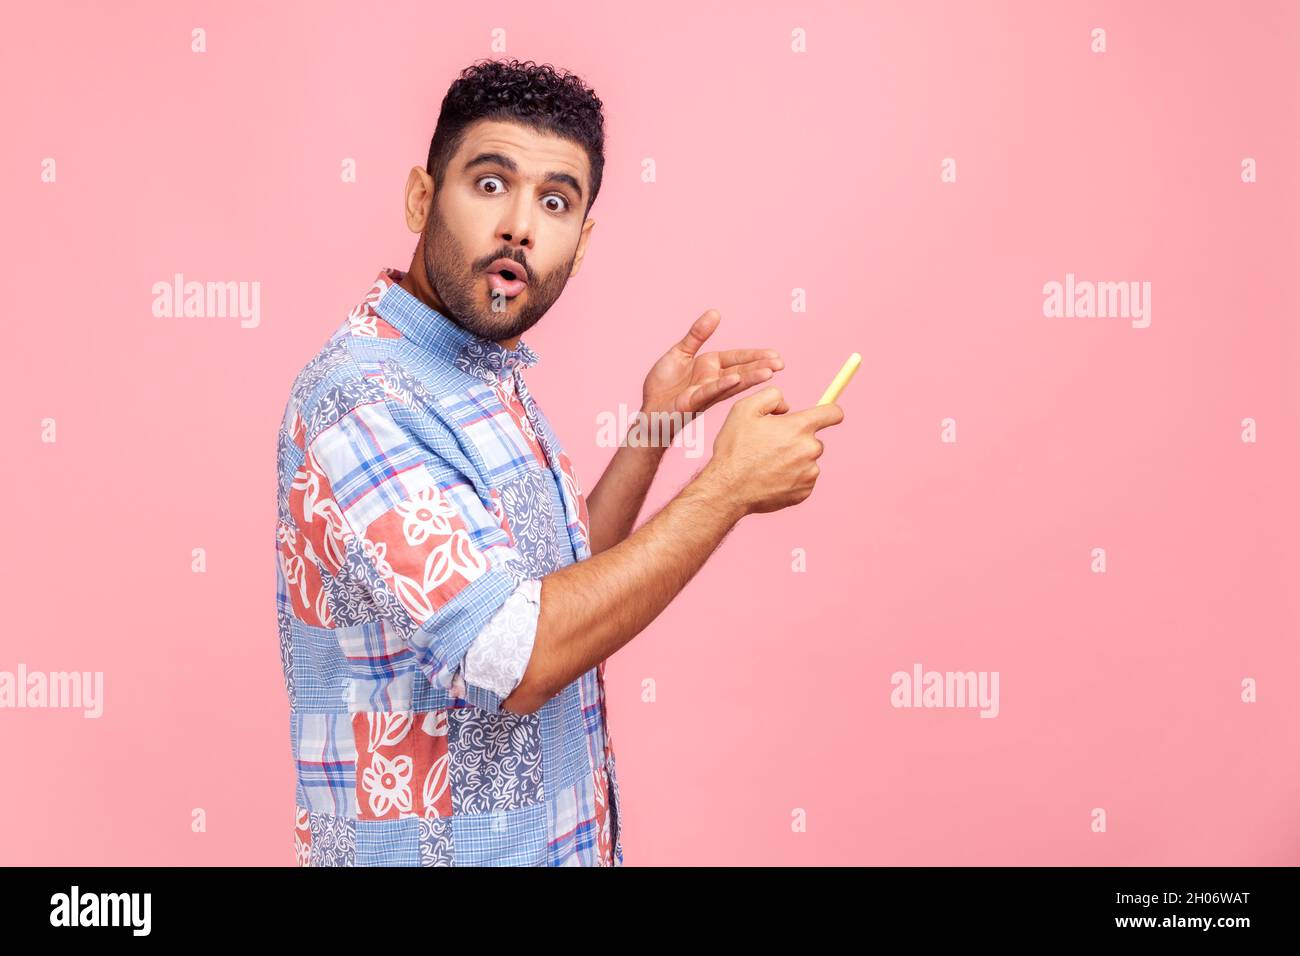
{"type": "Point", "coordinates": [499, 656]}
{"type": "Point", "coordinates": [429, 556]}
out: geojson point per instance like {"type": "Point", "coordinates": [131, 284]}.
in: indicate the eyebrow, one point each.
{"type": "Point", "coordinates": [505, 162]}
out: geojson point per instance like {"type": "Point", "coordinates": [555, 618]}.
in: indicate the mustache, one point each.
{"type": "Point", "coordinates": [523, 266]}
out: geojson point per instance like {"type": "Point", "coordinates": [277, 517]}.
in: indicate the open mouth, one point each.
{"type": "Point", "coordinates": [506, 277]}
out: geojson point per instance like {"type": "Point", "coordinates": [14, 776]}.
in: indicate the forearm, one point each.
{"type": "Point", "coordinates": [592, 608]}
{"type": "Point", "coordinates": [619, 495]}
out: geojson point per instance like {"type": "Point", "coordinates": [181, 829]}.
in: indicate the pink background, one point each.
{"type": "Point", "coordinates": [776, 171]}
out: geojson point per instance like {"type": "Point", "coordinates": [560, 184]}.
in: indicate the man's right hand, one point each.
{"type": "Point", "coordinates": [765, 455]}
{"type": "Point", "coordinates": [764, 459]}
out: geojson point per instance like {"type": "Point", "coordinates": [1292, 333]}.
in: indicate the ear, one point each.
{"type": "Point", "coordinates": [582, 246]}
{"type": "Point", "coordinates": [418, 200]}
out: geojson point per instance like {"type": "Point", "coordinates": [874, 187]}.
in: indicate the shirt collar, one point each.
{"type": "Point", "coordinates": [431, 330]}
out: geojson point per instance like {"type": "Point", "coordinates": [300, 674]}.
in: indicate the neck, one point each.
{"type": "Point", "coordinates": [418, 286]}
{"type": "Point", "coordinates": [416, 283]}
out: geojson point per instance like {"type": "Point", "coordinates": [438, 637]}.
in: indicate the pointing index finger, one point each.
{"type": "Point", "coordinates": [819, 416]}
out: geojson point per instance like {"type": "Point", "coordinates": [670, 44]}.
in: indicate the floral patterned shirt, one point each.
{"type": "Point", "coordinates": [422, 497]}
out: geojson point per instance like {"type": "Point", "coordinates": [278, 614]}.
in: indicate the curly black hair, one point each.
{"type": "Point", "coordinates": [538, 96]}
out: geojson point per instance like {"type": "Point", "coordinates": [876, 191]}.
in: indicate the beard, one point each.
{"type": "Point", "coordinates": [461, 286]}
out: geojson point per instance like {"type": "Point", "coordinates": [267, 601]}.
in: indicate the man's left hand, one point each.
{"type": "Point", "coordinates": [685, 381]}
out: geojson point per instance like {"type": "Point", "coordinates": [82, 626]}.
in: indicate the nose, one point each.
{"type": "Point", "coordinates": [517, 223]}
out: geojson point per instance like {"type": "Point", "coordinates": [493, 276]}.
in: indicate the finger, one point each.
{"type": "Point", "coordinates": [699, 332]}
{"type": "Point", "coordinates": [762, 365]}
{"type": "Point", "coordinates": [819, 416]}
{"type": "Point", "coordinates": [700, 397]}
{"type": "Point", "coordinates": [765, 401]}
{"type": "Point", "coordinates": [730, 357]}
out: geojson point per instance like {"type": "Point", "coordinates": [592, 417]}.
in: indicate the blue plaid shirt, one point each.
{"type": "Point", "coordinates": [422, 497]}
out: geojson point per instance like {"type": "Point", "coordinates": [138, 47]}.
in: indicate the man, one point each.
{"type": "Point", "coordinates": [447, 595]}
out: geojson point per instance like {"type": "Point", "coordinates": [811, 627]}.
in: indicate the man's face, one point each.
{"type": "Point", "coordinates": [509, 193]}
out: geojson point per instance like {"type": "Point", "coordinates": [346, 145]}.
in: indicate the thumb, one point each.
{"type": "Point", "coordinates": [699, 332]}
{"type": "Point", "coordinates": [766, 401]}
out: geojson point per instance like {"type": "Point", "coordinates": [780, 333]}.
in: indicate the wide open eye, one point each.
{"type": "Point", "coordinates": [497, 179]}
